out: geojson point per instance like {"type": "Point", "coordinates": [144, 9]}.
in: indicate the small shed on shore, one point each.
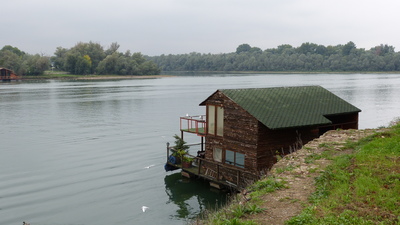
{"type": "Point", "coordinates": [247, 128]}
{"type": "Point", "coordinates": [6, 74]}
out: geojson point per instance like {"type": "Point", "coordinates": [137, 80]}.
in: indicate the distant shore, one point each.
{"type": "Point", "coordinates": [61, 75]}
{"type": "Point", "coordinates": [108, 77]}
{"type": "Point", "coordinates": [91, 77]}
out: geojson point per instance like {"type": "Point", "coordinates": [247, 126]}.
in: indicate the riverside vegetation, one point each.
{"type": "Point", "coordinates": [309, 57]}
{"type": "Point", "coordinates": [93, 59]}
{"type": "Point", "coordinates": [343, 177]}
{"type": "Point", "coordinates": [82, 59]}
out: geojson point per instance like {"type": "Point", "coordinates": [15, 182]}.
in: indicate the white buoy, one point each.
{"type": "Point", "coordinates": [144, 208]}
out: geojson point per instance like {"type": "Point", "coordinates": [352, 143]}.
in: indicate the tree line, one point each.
{"type": "Point", "coordinates": [92, 58]}
{"type": "Point", "coordinates": [82, 59]}
{"type": "Point", "coordinates": [22, 63]}
{"type": "Point", "coordinates": [307, 57]}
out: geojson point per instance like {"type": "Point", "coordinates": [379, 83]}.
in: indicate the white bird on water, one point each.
{"type": "Point", "coordinates": [147, 167]}
{"type": "Point", "coordinates": [144, 208]}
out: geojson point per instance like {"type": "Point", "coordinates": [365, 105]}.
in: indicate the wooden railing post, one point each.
{"type": "Point", "coordinates": [217, 172]}
{"type": "Point", "coordinates": [199, 166]}
{"type": "Point", "coordinates": [238, 177]}
{"type": "Point", "coordinates": [167, 151]}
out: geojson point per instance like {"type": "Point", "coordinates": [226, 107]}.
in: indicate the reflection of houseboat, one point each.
{"type": "Point", "coordinates": [7, 75]}
{"type": "Point", "coordinates": [191, 197]}
{"type": "Point", "coordinates": [245, 129]}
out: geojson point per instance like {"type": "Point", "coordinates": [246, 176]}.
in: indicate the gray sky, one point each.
{"type": "Point", "coordinates": [155, 27]}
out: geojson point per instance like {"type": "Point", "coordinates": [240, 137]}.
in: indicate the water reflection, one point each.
{"type": "Point", "coordinates": [192, 196]}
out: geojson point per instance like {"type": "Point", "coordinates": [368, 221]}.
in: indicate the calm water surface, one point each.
{"type": "Point", "coordinates": [77, 152]}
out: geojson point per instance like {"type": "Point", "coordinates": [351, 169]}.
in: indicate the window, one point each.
{"type": "Point", "coordinates": [215, 120]}
{"type": "Point", "coordinates": [220, 121]}
{"type": "Point", "coordinates": [211, 119]}
{"type": "Point", "coordinates": [234, 158]}
{"type": "Point", "coordinates": [217, 154]}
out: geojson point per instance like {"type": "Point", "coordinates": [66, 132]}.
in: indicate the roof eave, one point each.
{"type": "Point", "coordinates": [203, 103]}
{"type": "Point", "coordinates": [300, 126]}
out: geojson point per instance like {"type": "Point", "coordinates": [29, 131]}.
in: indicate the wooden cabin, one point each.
{"type": "Point", "coordinates": [7, 75]}
{"type": "Point", "coordinates": [245, 129]}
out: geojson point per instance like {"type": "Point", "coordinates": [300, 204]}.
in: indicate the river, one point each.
{"type": "Point", "coordinates": [92, 152]}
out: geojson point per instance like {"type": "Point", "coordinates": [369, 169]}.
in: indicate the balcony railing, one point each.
{"type": "Point", "coordinates": [193, 124]}
{"type": "Point", "coordinates": [220, 173]}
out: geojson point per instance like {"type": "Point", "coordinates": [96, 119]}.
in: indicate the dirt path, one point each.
{"type": "Point", "coordinates": [299, 169]}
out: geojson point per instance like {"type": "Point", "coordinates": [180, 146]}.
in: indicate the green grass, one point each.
{"type": "Point", "coordinates": [264, 186]}
{"type": "Point", "coordinates": [327, 154]}
{"type": "Point", "coordinates": [287, 168]}
{"type": "Point", "coordinates": [237, 211]}
{"type": "Point", "coordinates": [361, 188]}
{"type": "Point", "coordinates": [233, 214]}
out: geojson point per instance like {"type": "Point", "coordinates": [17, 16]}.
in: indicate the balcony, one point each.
{"type": "Point", "coordinates": [217, 173]}
{"type": "Point", "coordinates": [193, 124]}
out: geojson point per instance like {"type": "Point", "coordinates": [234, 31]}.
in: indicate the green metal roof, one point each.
{"type": "Point", "coordinates": [286, 107]}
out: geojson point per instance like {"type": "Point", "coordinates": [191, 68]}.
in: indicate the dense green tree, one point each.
{"type": "Point", "coordinates": [59, 58]}
{"type": "Point", "coordinates": [382, 50]}
{"type": "Point", "coordinates": [36, 64]}
{"type": "Point", "coordinates": [282, 49]}
{"type": "Point", "coordinates": [307, 48]}
{"type": "Point", "coordinates": [94, 50]}
{"type": "Point", "coordinates": [10, 60]}
{"type": "Point", "coordinates": [22, 63]}
{"type": "Point", "coordinates": [90, 58]}
{"type": "Point", "coordinates": [109, 64]}
{"type": "Point", "coordinates": [347, 48]}
{"type": "Point", "coordinates": [255, 50]}
{"type": "Point", "coordinates": [12, 49]}
{"type": "Point", "coordinates": [243, 48]}
{"type": "Point", "coordinates": [113, 48]}
{"type": "Point", "coordinates": [149, 68]}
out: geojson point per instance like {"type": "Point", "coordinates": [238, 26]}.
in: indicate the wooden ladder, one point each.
{"type": "Point", "coordinates": [211, 173]}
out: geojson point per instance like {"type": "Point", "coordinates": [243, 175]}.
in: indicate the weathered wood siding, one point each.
{"type": "Point", "coordinates": [240, 132]}
{"type": "Point", "coordinates": [280, 142]}
{"type": "Point", "coordinates": [345, 122]}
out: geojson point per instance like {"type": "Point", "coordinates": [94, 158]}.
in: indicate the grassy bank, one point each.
{"type": "Point", "coordinates": [359, 188]}
{"type": "Point", "coordinates": [347, 178]}
{"type": "Point", "coordinates": [240, 207]}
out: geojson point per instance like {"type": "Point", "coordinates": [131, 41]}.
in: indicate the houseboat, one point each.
{"type": "Point", "coordinates": [244, 130]}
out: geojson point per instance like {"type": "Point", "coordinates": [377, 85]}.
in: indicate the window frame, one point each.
{"type": "Point", "coordinates": [215, 120]}
{"type": "Point", "coordinates": [227, 159]}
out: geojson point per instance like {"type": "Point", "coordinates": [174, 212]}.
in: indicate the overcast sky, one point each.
{"type": "Point", "coordinates": [155, 27]}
